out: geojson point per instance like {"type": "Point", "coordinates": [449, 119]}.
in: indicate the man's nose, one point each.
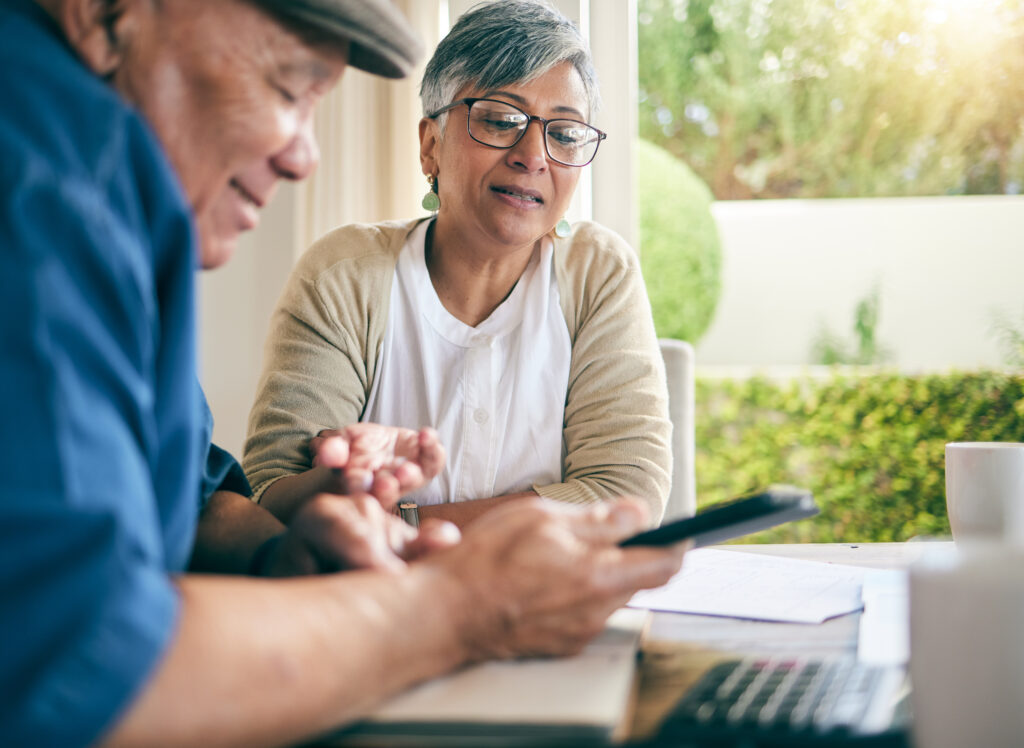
{"type": "Point", "coordinates": [530, 153]}
{"type": "Point", "coordinates": [299, 157]}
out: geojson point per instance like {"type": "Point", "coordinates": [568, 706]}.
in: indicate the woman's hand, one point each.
{"type": "Point", "coordinates": [383, 461]}
{"type": "Point", "coordinates": [365, 458]}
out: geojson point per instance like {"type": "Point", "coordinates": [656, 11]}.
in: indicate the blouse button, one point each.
{"type": "Point", "coordinates": [480, 415]}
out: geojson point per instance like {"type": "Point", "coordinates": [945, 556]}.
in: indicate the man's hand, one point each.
{"type": "Point", "coordinates": [332, 533]}
{"type": "Point", "coordinates": [539, 578]}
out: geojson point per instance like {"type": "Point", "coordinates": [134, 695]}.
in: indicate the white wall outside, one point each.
{"type": "Point", "coordinates": [945, 267]}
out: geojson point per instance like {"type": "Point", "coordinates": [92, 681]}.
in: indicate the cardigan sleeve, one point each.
{"type": "Point", "coordinates": [616, 430]}
{"type": "Point", "coordinates": [321, 351]}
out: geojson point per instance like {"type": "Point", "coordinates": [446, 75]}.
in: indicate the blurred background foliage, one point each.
{"type": "Point", "coordinates": [837, 98]}
{"type": "Point", "coordinates": [871, 446]}
{"type": "Point", "coordinates": [680, 251]}
{"type": "Point", "coordinates": [828, 348]}
{"type": "Point", "coordinates": [1009, 331]}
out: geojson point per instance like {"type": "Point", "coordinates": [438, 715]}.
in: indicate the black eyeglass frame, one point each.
{"type": "Point", "coordinates": [470, 101]}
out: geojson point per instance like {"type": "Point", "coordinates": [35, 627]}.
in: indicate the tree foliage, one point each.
{"type": "Point", "coordinates": [837, 98]}
{"type": "Point", "coordinates": [830, 349]}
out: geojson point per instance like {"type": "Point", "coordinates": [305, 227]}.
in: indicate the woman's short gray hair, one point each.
{"type": "Point", "coordinates": [501, 43]}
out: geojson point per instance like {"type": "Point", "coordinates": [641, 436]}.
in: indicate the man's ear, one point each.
{"type": "Point", "coordinates": [430, 141]}
{"type": "Point", "coordinates": [94, 30]}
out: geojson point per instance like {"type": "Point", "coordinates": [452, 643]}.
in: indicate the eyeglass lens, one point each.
{"type": "Point", "coordinates": [502, 125]}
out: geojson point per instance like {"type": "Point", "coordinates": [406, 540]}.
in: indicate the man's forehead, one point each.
{"type": "Point", "coordinates": [314, 68]}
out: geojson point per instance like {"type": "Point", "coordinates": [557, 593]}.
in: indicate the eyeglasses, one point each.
{"type": "Point", "coordinates": [500, 125]}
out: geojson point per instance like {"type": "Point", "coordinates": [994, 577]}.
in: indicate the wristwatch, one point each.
{"type": "Point", "coordinates": [410, 512]}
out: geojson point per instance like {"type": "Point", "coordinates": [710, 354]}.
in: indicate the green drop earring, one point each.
{"type": "Point", "coordinates": [563, 229]}
{"type": "Point", "coordinates": [431, 201]}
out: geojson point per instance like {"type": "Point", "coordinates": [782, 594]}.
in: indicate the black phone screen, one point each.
{"type": "Point", "coordinates": [731, 519]}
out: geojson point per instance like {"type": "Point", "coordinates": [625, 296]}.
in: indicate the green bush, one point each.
{"type": "Point", "coordinates": [679, 246]}
{"type": "Point", "coordinates": [870, 446]}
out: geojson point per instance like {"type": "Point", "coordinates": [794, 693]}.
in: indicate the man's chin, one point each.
{"type": "Point", "coordinates": [216, 251]}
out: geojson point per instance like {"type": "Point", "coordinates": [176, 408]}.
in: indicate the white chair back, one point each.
{"type": "Point", "coordinates": [679, 371]}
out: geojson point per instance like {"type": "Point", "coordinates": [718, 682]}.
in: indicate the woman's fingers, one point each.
{"type": "Point", "coordinates": [386, 461]}
{"type": "Point", "coordinates": [431, 453]}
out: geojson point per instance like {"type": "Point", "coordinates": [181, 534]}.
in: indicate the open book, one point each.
{"type": "Point", "coordinates": [585, 697]}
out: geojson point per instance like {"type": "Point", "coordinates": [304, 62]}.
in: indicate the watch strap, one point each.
{"type": "Point", "coordinates": [410, 512]}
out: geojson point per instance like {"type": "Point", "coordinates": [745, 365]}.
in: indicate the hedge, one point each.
{"type": "Point", "coordinates": [869, 445]}
{"type": "Point", "coordinates": [680, 250]}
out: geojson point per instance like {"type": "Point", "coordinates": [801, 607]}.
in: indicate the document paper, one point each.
{"type": "Point", "coordinates": [757, 586]}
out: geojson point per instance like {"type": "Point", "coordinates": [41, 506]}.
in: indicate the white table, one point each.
{"type": "Point", "coordinates": [679, 648]}
{"type": "Point", "coordinates": [835, 636]}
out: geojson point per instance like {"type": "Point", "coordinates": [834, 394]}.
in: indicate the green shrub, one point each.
{"type": "Point", "coordinates": [870, 447]}
{"type": "Point", "coordinates": [679, 247]}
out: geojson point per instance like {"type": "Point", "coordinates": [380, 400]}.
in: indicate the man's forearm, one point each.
{"type": "Point", "coordinates": [231, 529]}
{"type": "Point", "coordinates": [280, 661]}
{"type": "Point", "coordinates": [285, 496]}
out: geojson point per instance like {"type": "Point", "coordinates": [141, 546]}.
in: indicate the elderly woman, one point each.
{"type": "Point", "coordinates": [527, 343]}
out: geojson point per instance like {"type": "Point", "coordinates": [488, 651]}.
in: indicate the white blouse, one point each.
{"type": "Point", "coordinates": [495, 393]}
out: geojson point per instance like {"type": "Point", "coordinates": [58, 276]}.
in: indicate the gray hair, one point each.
{"type": "Point", "coordinates": [501, 43]}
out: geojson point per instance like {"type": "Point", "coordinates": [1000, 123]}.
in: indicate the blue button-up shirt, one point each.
{"type": "Point", "coordinates": [103, 429]}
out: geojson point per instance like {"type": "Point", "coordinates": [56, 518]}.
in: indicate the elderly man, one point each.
{"type": "Point", "coordinates": [139, 138]}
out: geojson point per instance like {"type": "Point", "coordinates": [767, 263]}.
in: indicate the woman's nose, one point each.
{"type": "Point", "coordinates": [529, 153]}
{"type": "Point", "coordinates": [299, 157]}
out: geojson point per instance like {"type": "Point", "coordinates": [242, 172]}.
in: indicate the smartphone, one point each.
{"type": "Point", "coordinates": [730, 519]}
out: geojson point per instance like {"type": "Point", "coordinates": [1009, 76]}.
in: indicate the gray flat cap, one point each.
{"type": "Point", "coordinates": [381, 40]}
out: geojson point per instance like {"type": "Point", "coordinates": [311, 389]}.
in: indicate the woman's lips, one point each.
{"type": "Point", "coordinates": [518, 195]}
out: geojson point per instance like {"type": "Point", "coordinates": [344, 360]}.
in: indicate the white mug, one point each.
{"type": "Point", "coordinates": [967, 647]}
{"type": "Point", "coordinates": [985, 490]}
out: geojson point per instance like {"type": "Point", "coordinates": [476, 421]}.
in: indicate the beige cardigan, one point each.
{"type": "Point", "coordinates": [325, 339]}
